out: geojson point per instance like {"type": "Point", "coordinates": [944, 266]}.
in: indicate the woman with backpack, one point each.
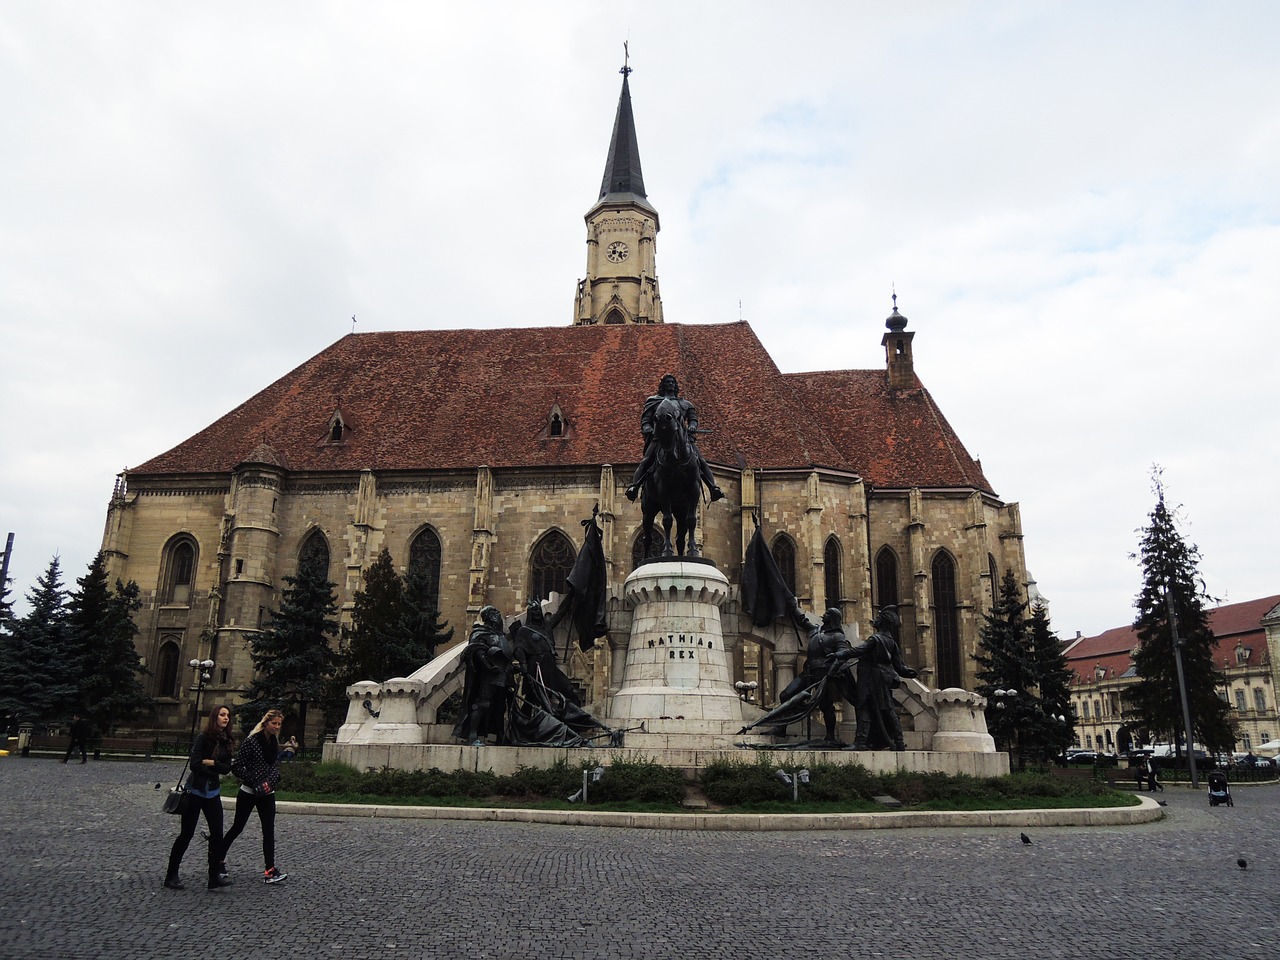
{"type": "Point", "coordinates": [257, 767]}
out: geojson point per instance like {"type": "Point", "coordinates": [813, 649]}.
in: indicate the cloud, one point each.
{"type": "Point", "coordinates": [1076, 203]}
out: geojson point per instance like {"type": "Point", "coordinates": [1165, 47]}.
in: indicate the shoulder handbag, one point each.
{"type": "Point", "coordinates": [176, 800]}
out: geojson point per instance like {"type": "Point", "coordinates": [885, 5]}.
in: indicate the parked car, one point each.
{"type": "Point", "coordinates": [1088, 758]}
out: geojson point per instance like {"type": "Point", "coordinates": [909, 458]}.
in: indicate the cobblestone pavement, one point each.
{"type": "Point", "coordinates": [82, 852]}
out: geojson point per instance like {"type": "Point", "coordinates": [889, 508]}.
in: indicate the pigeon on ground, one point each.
{"type": "Point", "coordinates": [1162, 803]}
{"type": "Point", "coordinates": [1242, 863]}
{"type": "Point", "coordinates": [1025, 839]}
{"type": "Point", "coordinates": [157, 786]}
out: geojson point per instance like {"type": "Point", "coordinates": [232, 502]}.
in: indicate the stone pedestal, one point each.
{"type": "Point", "coordinates": [677, 666]}
{"type": "Point", "coordinates": [398, 716]}
{"type": "Point", "coordinates": [962, 726]}
{"type": "Point", "coordinates": [360, 717]}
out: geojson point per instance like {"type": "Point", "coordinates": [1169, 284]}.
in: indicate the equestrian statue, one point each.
{"type": "Point", "coordinates": [670, 476]}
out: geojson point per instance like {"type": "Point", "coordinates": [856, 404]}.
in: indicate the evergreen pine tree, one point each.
{"type": "Point", "coordinates": [37, 679]}
{"type": "Point", "coordinates": [1170, 572]}
{"type": "Point", "coordinates": [375, 644]}
{"type": "Point", "coordinates": [1054, 679]}
{"type": "Point", "coordinates": [394, 630]}
{"type": "Point", "coordinates": [100, 632]}
{"type": "Point", "coordinates": [425, 630]}
{"type": "Point", "coordinates": [1005, 662]}
{"type": "Point", "coordinates": [293, 658]}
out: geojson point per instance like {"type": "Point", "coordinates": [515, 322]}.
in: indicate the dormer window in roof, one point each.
{"type": "Point", "coordinates": [338, 429]}
{"type": "Point", "coordinates": [557, 426]}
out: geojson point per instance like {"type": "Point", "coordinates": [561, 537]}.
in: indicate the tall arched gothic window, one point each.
{"type": "Point", "coordinates": [886, 578]}
{"type": "Point", "coordinates": [180, 570]}
{"type": "Point", "coordinates": [994, 573]}
{"type": "Point", "coordinates": [784, 555]}
{"type": "Point", "coordinates": [315, 549]}
{"type": "Point", "coordinates": [424, 566]}
{"type": "Point", "coordinates": [637, 549]}
{"type": "Point", "coordinates": [831, 573]}
{"type": "Point", "coordinates": [167, 668]}
{"type": "Point", "coordinates": [946, 621]}
{"type": "Point", "coordinates": [549, 565]}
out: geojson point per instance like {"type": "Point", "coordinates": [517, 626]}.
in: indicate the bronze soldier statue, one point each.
{"type": "Point", "coordinates": [488, 658]}
{"type": "Point", "coordinates": [827, 654]}
{"type": "Point", "coordinates": [880, 665]}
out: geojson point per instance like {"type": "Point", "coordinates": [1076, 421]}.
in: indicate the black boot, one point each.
{"type": "Point", "coordinates": [216, 881]}
{"type": "Point", "coordinates": [173, 883]}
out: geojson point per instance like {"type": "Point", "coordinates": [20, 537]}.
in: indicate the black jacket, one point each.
{"type": "Point", "coordinates": [207, 748]}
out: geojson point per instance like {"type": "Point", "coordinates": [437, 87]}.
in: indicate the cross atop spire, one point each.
{"type": "Point", "coordinates": [626, 59]}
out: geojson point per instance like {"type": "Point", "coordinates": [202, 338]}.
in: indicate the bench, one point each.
{"type": "Point", "coordinates": [131, 745]}
{"type": "Point", "coordinates": [46, 743]}
{"type": "Point", "coordinates": [1130, 784]}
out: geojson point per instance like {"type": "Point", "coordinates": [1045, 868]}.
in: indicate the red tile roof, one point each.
{"type": "Point", "coordinates": [1230, 623]}
{"type": "Point", "coordinates": [898, 438]}
{"type": "Point", "coordinates": [455, 399]}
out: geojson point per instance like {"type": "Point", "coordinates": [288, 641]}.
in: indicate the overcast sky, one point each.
{"type": "Point", "coordinates": [1077, 202]}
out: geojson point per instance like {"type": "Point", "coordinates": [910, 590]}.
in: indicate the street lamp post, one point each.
{"type": "Point", "coordinates": [204, 672]}
{"type": "Point", "coordinates": [1182, 687]}
{"type": "Point", "coordinates": [1003, 698]}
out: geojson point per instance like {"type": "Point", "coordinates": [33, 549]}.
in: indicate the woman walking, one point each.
{"type": "Point", "coordinates": [211, 754]}
{"type": "Point", "coordinates": [257, 767]}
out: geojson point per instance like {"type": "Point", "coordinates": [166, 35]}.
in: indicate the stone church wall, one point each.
{"type": "Point", "coordinates": [488, 523]}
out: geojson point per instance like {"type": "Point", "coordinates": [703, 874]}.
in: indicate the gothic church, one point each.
{"type": "Point", "coordinates": [476, 453]}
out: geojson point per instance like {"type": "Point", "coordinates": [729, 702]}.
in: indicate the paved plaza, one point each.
{"type": "Point", "coordinates": [82, 853]}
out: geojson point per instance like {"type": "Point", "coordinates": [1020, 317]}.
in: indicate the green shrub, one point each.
{"type": "Point", "coordinates": [747, 783]}
{"type": "Point", "coordinates": [639, 781]}
{"type": "Point", "coordinates": [841, 783]}
{"type": "Point", "coordinates": [557, 781]}
{"type": "Point", "coordinates": [732, 783]}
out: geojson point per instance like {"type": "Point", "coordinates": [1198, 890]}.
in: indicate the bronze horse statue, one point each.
{"type": "Point", "coordinates": [673, 487]}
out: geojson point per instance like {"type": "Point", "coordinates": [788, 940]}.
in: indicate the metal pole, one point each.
{"type": "Point", "coordinates": [4, 564]}
{"type": "Point", "coordinates": [1182, 687]}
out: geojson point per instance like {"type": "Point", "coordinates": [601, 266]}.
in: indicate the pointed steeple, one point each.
{"type": "Point", "coordinates": [623, 180]}
{"type": "Point", "coordinates": [621, 285]}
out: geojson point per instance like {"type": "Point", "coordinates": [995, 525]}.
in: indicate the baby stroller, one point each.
{"type": "Point", "coordinates": [1219, 792]}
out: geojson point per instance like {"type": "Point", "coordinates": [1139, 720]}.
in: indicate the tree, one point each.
{"type": "Point", "coordinates": [1006, 663]}
{"type": "Point", "coordinates": [1053, 678]}
{"type": "Point", "coordinates": [100, 632]}
{"type": "Point", "coordinates": [426, 631]}
{"type": "Point", "coordinates": [395, 629]}
{"type": "Point", "coordinates": [37, 681]}
{"type": "Point", "coordinates": [1171, 579]}
{"type": "Point", "coordinates": [293, 659]}
{"type": "Point", "coordinates": [374, 646]}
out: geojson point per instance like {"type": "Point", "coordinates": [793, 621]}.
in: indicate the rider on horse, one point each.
{"type": "Point", "coordinates": [669, 388]}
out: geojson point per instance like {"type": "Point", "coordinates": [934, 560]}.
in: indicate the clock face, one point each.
{"type": "Point", "coordinates": [617, 251]}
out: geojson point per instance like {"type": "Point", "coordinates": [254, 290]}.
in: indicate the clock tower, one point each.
{"type": "Point", "coordinates": [621, 285]}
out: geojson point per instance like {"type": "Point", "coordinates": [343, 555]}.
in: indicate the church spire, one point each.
{"type": "Point", "coordinates": [623, 180]}
{"type": "Point", "coordinates": [621, 285]}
